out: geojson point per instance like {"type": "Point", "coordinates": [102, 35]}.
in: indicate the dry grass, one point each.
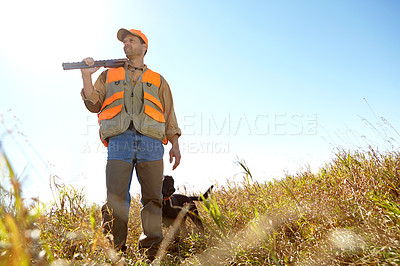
{"type": "Point", "coordinates": [346, 214]}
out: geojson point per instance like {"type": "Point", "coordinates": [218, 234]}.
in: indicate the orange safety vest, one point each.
{"type": "Point", "coordinates": [115, 115]}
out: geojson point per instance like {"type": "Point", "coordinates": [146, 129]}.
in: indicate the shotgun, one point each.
{"type": "Point", "coordinates": [110, 63]}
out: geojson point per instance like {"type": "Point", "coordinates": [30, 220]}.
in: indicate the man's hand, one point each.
{"type": "Point", "coordinates": [174, 152]}
{"type": "Point", "coordinates": [89, 71]}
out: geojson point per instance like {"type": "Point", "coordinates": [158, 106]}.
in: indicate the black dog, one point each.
{"type": "Point", "coordinates": [173, 203]}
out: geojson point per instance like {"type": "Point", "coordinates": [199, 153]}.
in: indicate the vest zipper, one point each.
{"type": "Point", "coordinates": [132, 98]}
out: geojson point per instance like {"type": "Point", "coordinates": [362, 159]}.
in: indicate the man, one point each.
{"type": "Point", "coordinates": [136, 116]}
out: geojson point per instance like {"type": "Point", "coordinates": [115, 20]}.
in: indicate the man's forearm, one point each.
{"type": "Point", "coordinates": [175, 152]}
{"type": "Point", "coordinates": [174, 139]}
{"type": "Point", "coordinates": [87, 85]}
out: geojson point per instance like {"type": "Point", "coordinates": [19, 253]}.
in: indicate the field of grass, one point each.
{"type": "Point", "coordinates": [348, 213]}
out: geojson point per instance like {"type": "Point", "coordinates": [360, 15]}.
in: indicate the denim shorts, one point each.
{"type": "Point", "coordinates": [133, 147]}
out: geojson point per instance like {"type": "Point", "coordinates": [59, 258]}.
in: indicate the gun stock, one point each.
{"type": "Point", "coordinates": [111, 63]}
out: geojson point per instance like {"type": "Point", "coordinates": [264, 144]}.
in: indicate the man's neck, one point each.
{"type": "Point", "coordinates": [137, 62]}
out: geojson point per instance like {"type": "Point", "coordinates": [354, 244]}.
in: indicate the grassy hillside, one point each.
{"type": "Point", "coordinates": [347, 213]}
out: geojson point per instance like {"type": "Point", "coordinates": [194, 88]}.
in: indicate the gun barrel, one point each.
{"type": "Point", "coordinates": [111, 63]}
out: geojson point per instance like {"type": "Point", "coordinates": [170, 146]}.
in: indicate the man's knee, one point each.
{"type": "Point", "coordinates": [151, 203]}
{"type": "Point", "coordinates": [150, 176]}
{"type": "Point", "coordinates": [118, 175]}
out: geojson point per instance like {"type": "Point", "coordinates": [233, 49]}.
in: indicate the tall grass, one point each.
{"type": "Point", "coordinates": [347, 213]}
{"type": "Point", "coordinates": [18, 233]}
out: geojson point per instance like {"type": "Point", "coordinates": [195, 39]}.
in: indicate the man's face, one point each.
{"type": "Point", "coordinates": [133, 46]}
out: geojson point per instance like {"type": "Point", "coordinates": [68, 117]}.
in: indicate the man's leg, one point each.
{"type": "Point", "coordinates": [150, 175]}
{"type": "Point", "coordinates": [115, 211]}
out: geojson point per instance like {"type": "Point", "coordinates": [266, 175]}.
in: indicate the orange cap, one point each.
{"type": "Point", "coordinates": [123, 32]}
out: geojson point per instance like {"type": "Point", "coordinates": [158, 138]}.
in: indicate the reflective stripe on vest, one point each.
{"type": "Point", "coordinates": [153, 99]}
{"type": "Point", "coordinates": [115, 74]}
{"type": "Point", "coordinates": [153, 113]}
{"type": "Point", "coordinates": [152, 77]}
{"type": "Point", "coordinates": [110, 113]}
{"type": "Point", "coordinates": [112, 98]}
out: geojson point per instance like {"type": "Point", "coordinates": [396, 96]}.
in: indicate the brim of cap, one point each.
{"type": "Point", "coordinates": [123, 32]}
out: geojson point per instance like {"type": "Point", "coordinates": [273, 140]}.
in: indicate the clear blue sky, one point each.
{"type": "Point", "coordinates": [280, 84]}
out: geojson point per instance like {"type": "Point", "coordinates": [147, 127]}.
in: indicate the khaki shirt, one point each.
{"type": "Point", "coordinates": [94, 101]}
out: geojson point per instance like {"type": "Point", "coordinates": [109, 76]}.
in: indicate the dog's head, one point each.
{"type": "Point", "coordinates": [168, 186]}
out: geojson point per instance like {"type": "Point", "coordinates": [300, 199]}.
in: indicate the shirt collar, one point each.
{"type": "Point", "coordinates": [132, 68]}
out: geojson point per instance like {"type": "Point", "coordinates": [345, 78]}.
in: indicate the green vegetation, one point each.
{"type": "Point", "coordinates": [347, 213]}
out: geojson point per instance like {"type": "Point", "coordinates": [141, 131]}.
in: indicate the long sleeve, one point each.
{"type": "Point", "coordinates": [94, 101]}
{"type": "Point", "coordinates": [171, 127]}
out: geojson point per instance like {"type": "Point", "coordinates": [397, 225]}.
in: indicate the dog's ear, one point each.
{"type": "Point", "coordinates": [168, 177]}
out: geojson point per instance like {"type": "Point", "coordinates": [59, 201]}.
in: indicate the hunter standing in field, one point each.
{"type": "Point", "coordinates": [136, 117]}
